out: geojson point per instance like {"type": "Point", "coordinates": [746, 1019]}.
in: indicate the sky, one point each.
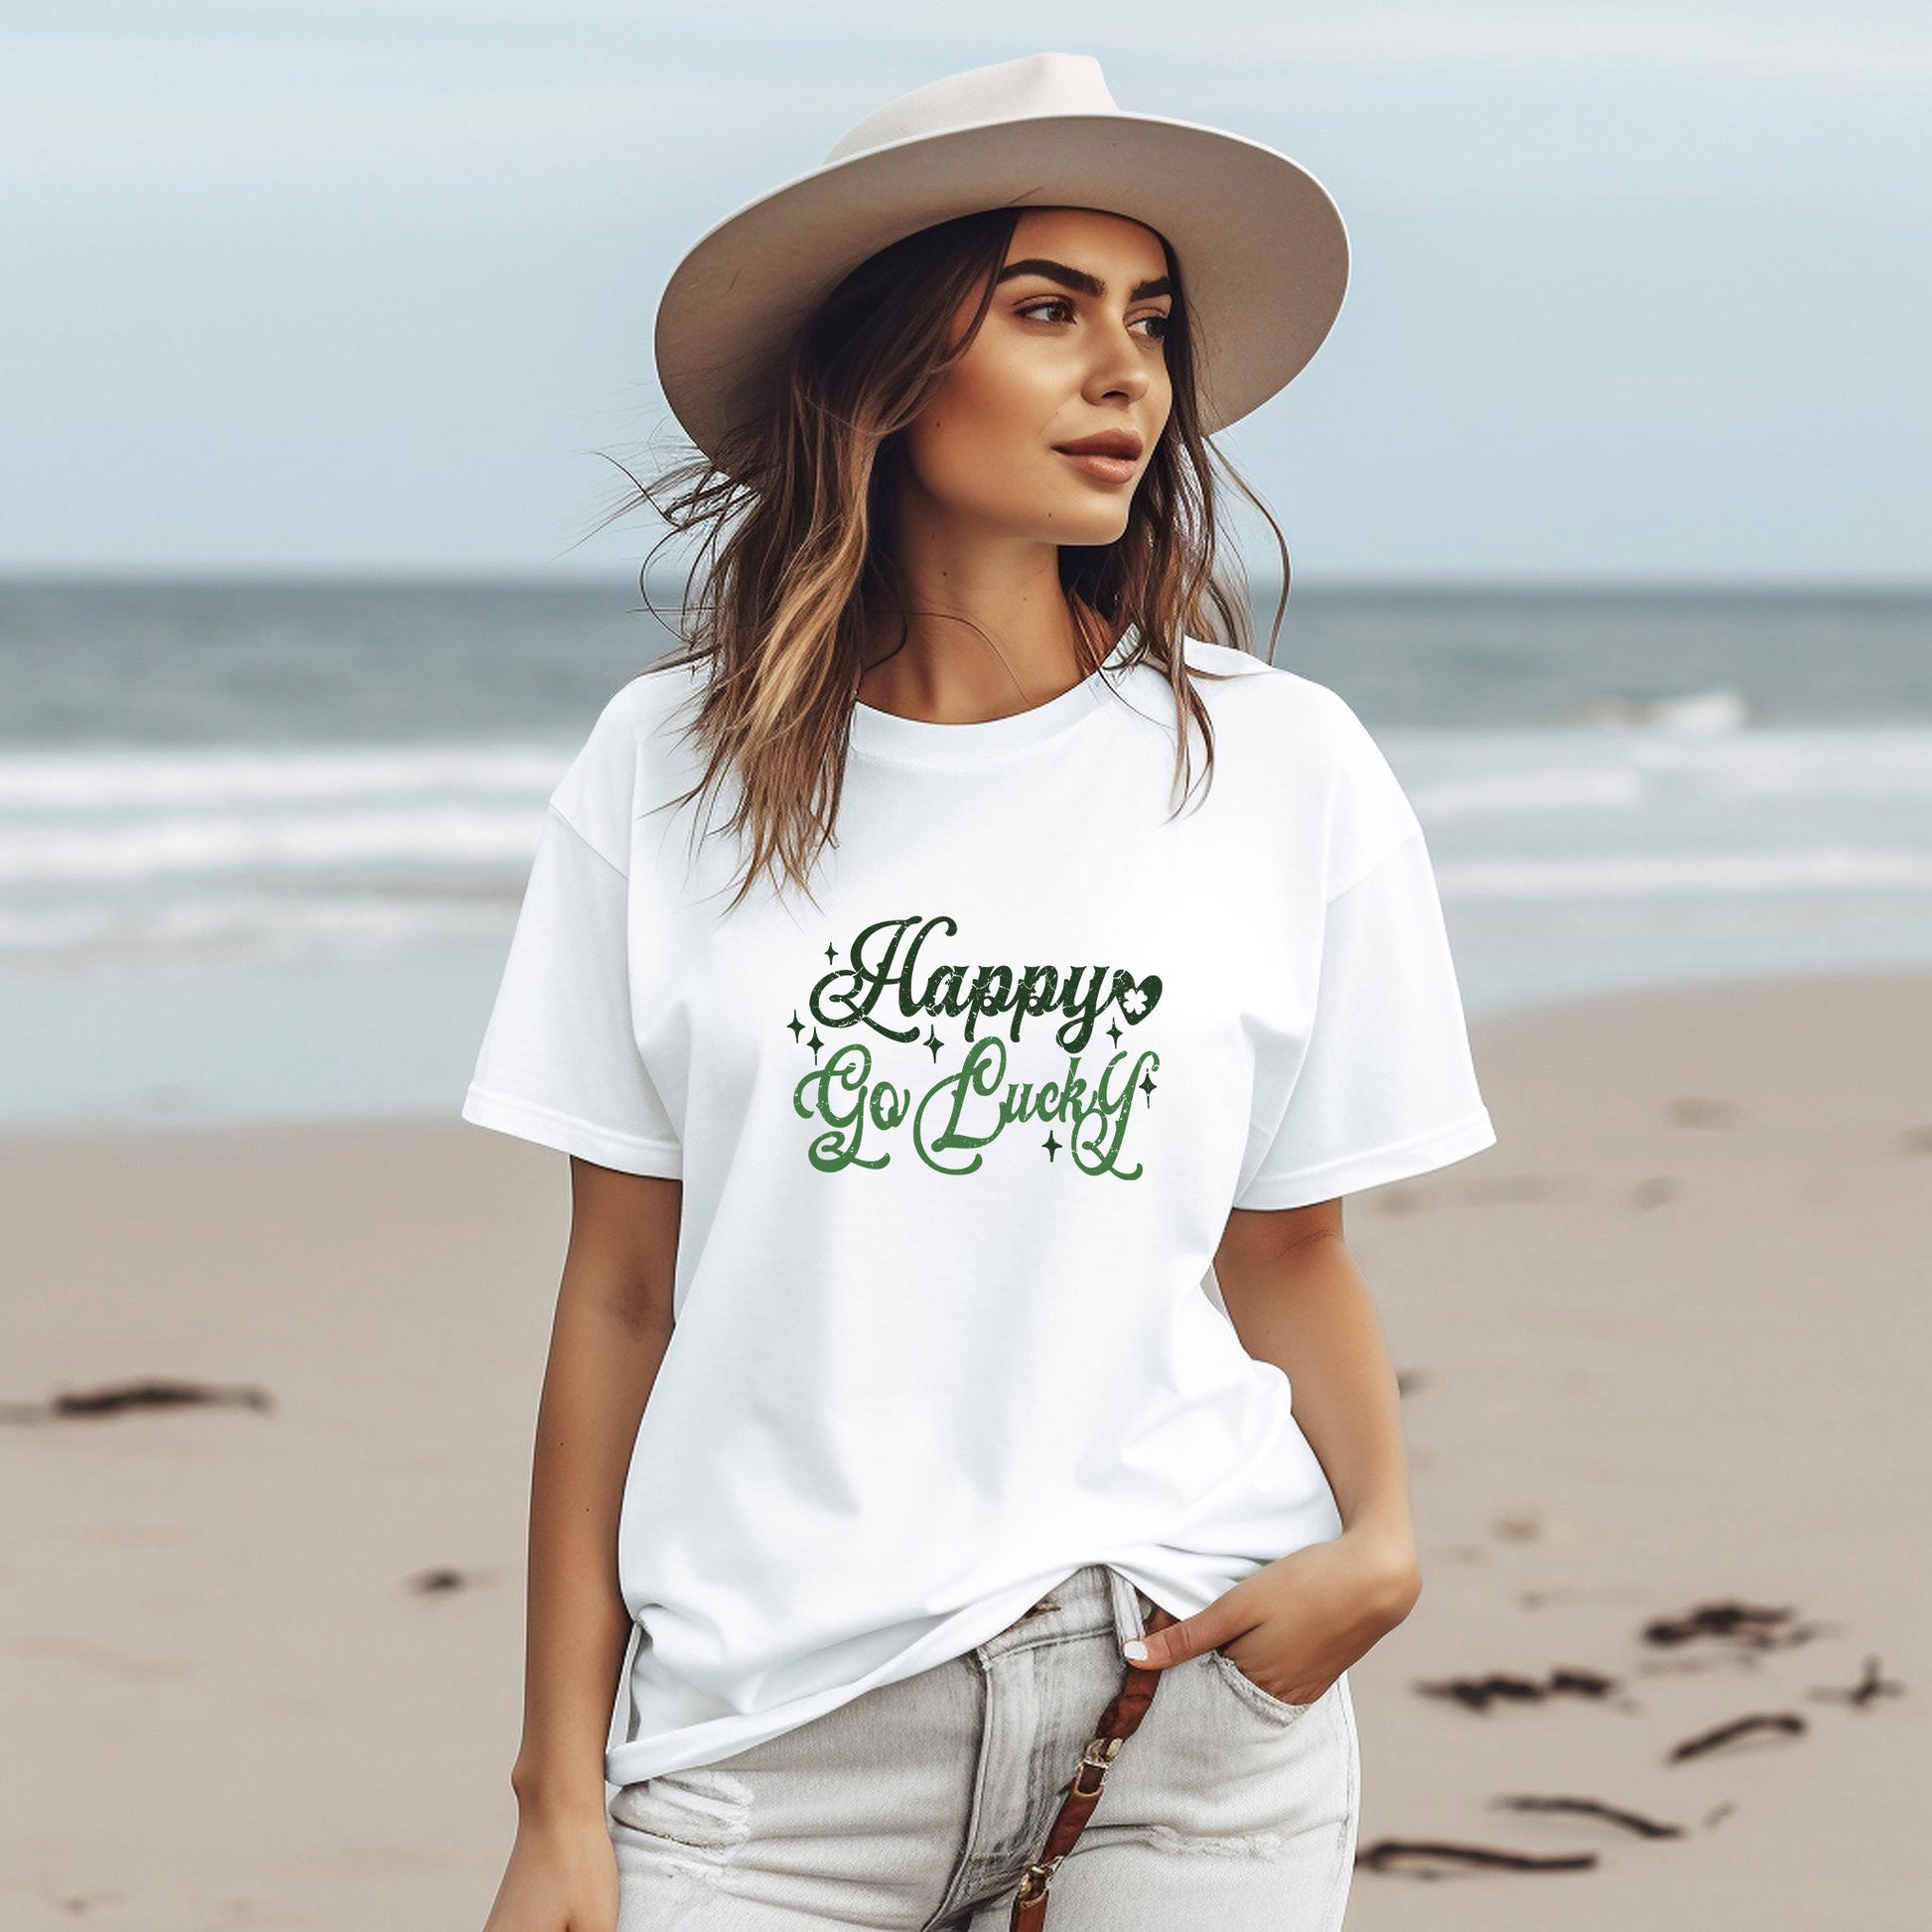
{"type": "Point", "coordinates": [1638, 292]}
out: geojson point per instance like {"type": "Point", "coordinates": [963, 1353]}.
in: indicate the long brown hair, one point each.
{"type": "Point", "coordinates": [797, 556]}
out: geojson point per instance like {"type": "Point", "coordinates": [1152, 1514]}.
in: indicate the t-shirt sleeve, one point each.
{"type": "Point", "coordinates": [559, 1063]}
{"type": "Point", "coordinates": [1387, 1086]}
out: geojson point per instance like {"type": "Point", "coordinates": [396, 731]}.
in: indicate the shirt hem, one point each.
{"type": "Point", "coordinates": [1420, 1154]}
{"type": "Point", "coordinates": [548, 1127]}
{"type": "Point", "coordinates": [690, 1745]}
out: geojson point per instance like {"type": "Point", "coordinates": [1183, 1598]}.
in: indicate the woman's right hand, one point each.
{"type": "Point", "coordinates": [562, 1877]}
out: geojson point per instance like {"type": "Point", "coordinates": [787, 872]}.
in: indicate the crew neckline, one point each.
{"type": "Point", "coordinates": [921, 741]}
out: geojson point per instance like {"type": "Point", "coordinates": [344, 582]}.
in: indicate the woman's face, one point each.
{"type": "Point", "coordinates": [1070, 348]}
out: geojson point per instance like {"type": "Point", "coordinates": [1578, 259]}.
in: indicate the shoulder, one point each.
{"type": "Point", "coordinates": [629, 755]}
{"type": "Point", "coordinates": [1296, 713]}
{"type": "Point", "coordinates": [1317, 761]}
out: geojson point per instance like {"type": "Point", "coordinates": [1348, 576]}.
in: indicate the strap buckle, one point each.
{"type": "Point", "coordinates": [1035, 1878]}
{"type": "Point", "coordinates": [1099, 1753]}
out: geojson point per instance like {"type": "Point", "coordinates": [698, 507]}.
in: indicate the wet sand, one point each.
{"type": "Point", "coordinates": [1663, 1350]}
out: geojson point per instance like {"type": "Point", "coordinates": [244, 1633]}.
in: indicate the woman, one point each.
{"type": "Point", "coordinates": [888, 1404]}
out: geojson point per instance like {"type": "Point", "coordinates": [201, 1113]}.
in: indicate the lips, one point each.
{"type": "Point", "coordinates": [1107, 442]}
{"type": "Point", "coordinates": [1108, 457]}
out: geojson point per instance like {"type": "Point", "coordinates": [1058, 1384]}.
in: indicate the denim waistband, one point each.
{"type": "Point", "coordinates": [1095, 1599]}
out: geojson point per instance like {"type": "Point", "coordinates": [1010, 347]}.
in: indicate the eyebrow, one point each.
{"type": "Point", "coordinates": [1079, 278]}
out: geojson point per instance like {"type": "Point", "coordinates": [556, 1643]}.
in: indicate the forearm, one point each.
{"type": "Point", "coordinates": [1306, 1308]}
{"type": "Point", "coordinates": [598, 1379]}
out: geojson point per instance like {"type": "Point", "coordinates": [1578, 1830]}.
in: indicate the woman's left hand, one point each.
{"type": "Point", "coordinates": [1297, 1623]}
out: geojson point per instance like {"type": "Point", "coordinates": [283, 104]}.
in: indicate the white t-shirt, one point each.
{"type": "Point", "coordinates": [957, 1146]}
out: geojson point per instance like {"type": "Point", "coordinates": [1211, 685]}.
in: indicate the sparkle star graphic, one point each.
{"type": "Point", "coordinates": [1052, 1146]}
{"type": "Point", "coordinates": [934, 1040]}
{"type": "Point", "coordinates": [831, 952]}
{"type": "Point", "coordinates": [1113, 1030]}
{"type": "Point", "coordinates": [814, 1043]}
{"type": "Point", "coordinates": [796, 1025]}
{"type": "Point", "coordinates": [1147, 1085]}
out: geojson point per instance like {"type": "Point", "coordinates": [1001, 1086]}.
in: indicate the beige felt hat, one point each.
{"type": "Point", "coordinates": [1260, 242]}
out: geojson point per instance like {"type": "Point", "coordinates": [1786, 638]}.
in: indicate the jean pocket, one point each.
{"type": "Point", "coordinates": [702, 1811]}
{"type": "Point", "coordinates": [1251, 1692]}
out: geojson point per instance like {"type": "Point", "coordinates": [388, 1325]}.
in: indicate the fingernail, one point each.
{"type": "Point", "coordinates": [1134, 1652]}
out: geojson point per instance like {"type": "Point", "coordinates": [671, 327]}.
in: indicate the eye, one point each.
{"type": "Point", "coordinates": [1045, 301]}
{"type": "Point", "coordinates": [1063, 303]}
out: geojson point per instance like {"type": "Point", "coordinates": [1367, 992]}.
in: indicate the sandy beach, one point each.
{"type": "Point", "coordinates": [1663, 1350]}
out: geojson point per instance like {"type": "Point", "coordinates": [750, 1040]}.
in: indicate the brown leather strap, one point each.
{"type": "Point", "coordinates": [1117, 1724]}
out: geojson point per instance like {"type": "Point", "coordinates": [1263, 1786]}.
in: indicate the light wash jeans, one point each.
{"type": "Point", "coordinates": [913, 1806]}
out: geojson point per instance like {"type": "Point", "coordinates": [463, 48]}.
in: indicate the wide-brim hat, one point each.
{"type": "Point", "coordinates": [1263, 253]}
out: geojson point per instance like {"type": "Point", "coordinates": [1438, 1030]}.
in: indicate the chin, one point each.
{"type": "Point", "coordinates": [1079, 519]}
{"type": "Point", "coordinates": [1088, 535]}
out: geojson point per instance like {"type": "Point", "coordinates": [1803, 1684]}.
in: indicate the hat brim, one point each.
{"type": "Point", "coordinates": [1258, 240]}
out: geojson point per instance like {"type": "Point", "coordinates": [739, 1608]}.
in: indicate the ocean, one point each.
{"type": "Point", "coordinates": [261, 841]}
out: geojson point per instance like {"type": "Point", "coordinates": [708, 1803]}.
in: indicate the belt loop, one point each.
{"type": "Point", "coordinates": [1130, 1607]}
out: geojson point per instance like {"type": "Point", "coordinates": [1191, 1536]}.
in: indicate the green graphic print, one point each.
{"type": "Point", "coordinates": [881, 992]}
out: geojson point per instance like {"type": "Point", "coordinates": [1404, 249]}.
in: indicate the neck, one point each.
{"type": "Point", "coordinates": [987, 628]}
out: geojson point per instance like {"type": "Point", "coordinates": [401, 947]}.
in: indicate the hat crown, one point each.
{"type": "Point", "coordinates": [1009, 90]}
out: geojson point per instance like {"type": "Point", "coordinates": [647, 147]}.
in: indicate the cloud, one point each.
{"type": "Point", "coordinates": [419, 96]}
{"type": "Point", "coordinates": [1873, 45]}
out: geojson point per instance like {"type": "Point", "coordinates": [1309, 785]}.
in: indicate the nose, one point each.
{"type": "Point", "coordinates": [1120, 365]}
